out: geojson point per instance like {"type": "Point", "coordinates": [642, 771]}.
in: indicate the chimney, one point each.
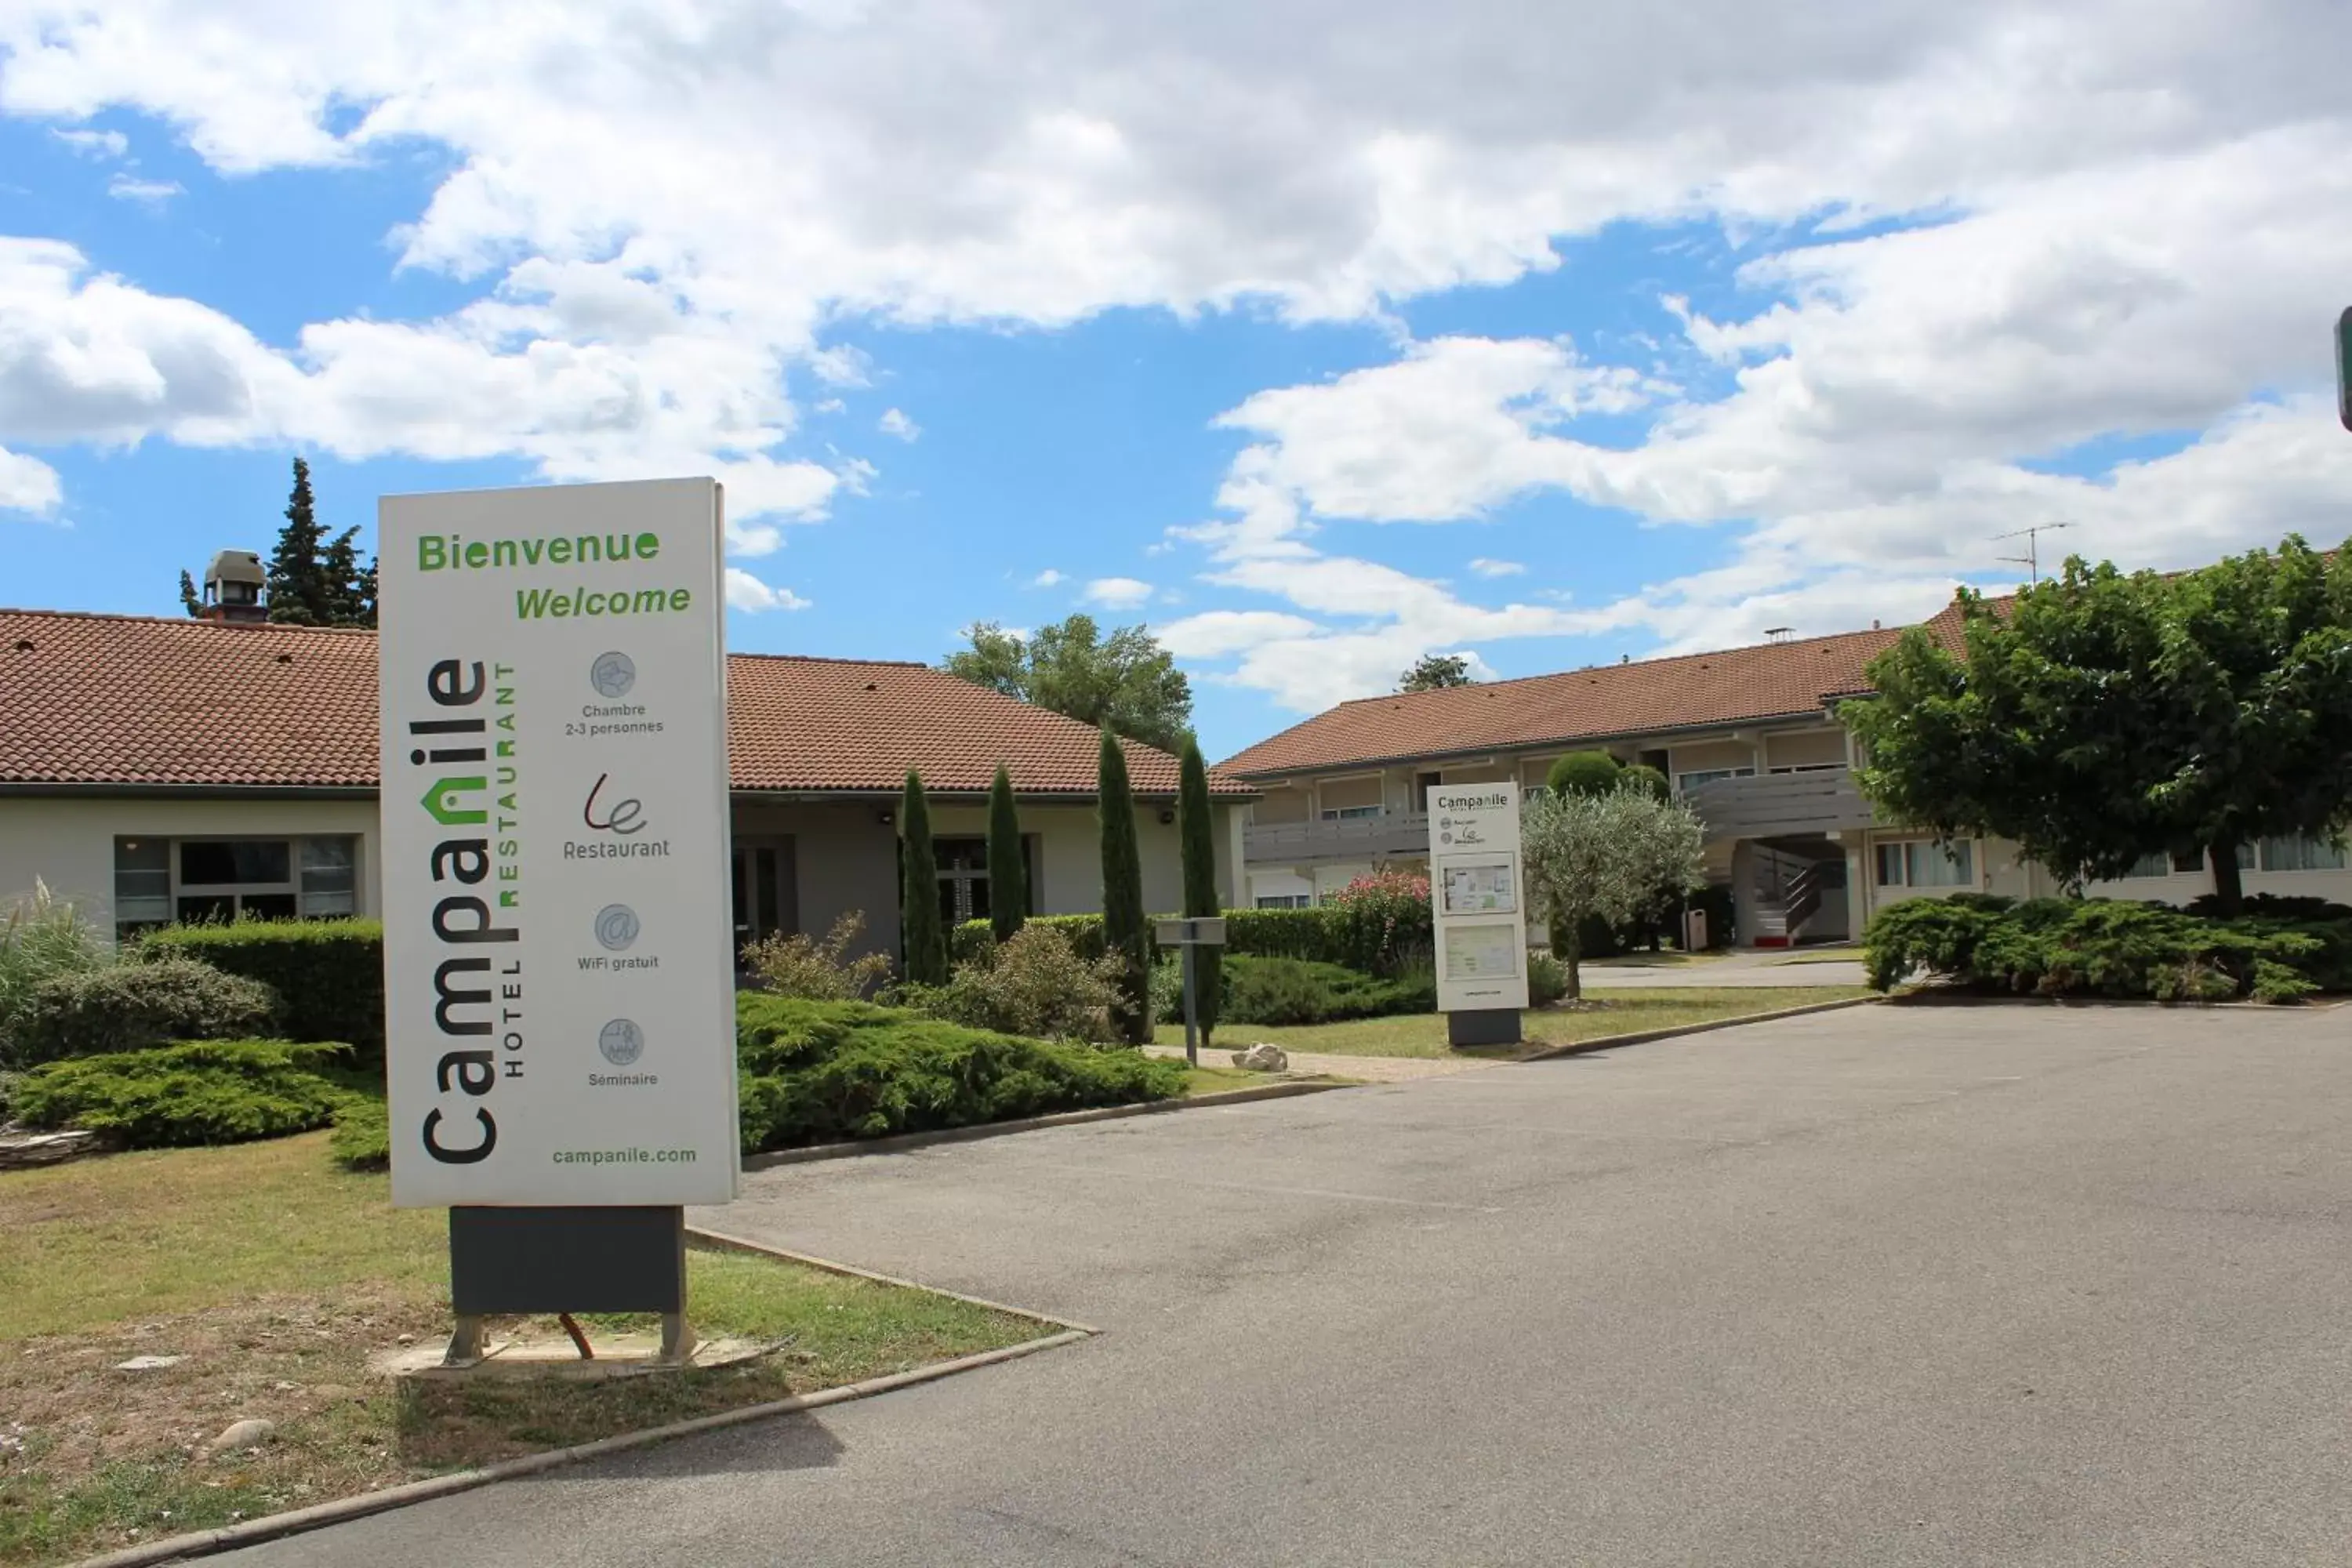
{"type": "Point", "coordinates": [1779, 634]}
{"type": "Point", "coordinates": [233, 585]}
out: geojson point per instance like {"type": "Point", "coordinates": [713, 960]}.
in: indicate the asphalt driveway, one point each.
{"type": "Point", "coordinates": [1886, 1285]}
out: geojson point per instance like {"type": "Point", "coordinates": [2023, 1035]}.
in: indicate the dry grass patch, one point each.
{"type": "Point", "coordinates": [274, 1278]}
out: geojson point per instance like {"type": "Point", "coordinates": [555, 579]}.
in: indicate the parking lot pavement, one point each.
{"type": "Point", "coordinates": [1888, 1285]}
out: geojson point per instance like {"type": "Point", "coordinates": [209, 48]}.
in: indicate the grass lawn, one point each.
{"type": "Point", "coordinates": [1604, 1013]}
{"type": "Point", "coordinates": [275, 1277]}
{"type": "Point", "coordinates": [1671, 958]}
{"type": "Point", "coordinates": [1822, 955]}
{"type": "Point", "coordinates": [1223, 1080]}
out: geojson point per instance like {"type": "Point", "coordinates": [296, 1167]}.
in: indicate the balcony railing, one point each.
{"type": "Point", "coordinates": [1387, 835]}
{"type": "Point", "coordinates": [1779, 805]}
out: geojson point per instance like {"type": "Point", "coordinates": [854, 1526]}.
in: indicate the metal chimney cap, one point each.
{"type": "Point", "coordinates": [236, 566]}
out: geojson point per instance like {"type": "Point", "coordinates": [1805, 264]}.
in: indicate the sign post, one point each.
{"type": "Point", "coordinates": [559, 977]}
{"type": "Point", "coordinates": [1187, 933]}
{"type": "Point", "coordinates": [1479, 911]}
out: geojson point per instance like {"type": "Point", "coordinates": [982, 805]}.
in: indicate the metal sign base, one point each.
{"type": "Point", "coordinates": [1483, 1026]}
{"type": "Point", "coordinates": [514, 1260]}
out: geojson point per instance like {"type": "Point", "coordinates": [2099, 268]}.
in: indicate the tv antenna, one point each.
{"type": "Point", "coordinates": [2031, 559]}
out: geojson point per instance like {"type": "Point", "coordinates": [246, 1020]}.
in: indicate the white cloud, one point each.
{"type": "Point", "coordinates": [1486, 566]}
{"type": "Point", "coordinates": [1118, 593]}
{"type": "Point", "coordinates": [895, 422]}
{"type": "Point", "coordinates": [574, 368]}
{"type": "Point", "coordinates": [1215, 634]}
{"type": "Point", "coordinates": [1048, 578]}
{"type": "Point", "coordinates": [28, 486]}
{"type": "Point", "coordinates": [94, 144]}
{"type": "Point", "coordinates": [129, 187]}
{"type": "Point", "coordinates": [751, 595]}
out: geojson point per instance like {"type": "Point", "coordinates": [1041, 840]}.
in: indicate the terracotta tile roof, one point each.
{"type": "Point", "coordinates": [136, 700]}
{"type": "Point", "coordinates": [1768, 680]}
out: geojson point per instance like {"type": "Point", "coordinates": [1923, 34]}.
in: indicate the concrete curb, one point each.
{"type": "Point", "coordinates": [204, 1542]}
{"type": "Point", "coordinates": [906, 1140]}
{"type": "Point", "coordinates": [719, 1241]}
{"type": "Point", "coordinates": [1645, 1037]}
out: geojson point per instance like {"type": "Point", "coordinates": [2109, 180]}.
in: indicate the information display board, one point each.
{"type": "Point", "coordinates": [1478, 897]}
{"type": "Point", "coordinates": [558, 969]}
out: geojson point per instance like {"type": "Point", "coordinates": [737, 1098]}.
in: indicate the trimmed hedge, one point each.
{"type": "Point", "coordinates": [2108, 947]}
{"type": "Point", "coordinates": [1294, 990]}
{"type": "Point", "coordinates": [329, 972]}
{"type": "Point", "coordinates": [131, 1006]}
{"type": "Point", "coordinates": [201, 1092]}
{"type": "Point", "coordinates": [814, 1072]}
{"type": "Point", "coordinates": [1357, 939]}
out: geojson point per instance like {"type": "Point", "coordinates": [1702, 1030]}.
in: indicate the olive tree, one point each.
{"type": "Point", "coordinates": [1608, 856]}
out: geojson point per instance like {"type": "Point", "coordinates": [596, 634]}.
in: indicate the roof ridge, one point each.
{"type": "Point", "coordinates": [197, 622]}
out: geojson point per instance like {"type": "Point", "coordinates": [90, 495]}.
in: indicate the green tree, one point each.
{"type": "Point", "coordinates": [1602, 856]}
{"type": "Point", "coordinates": [1436, 671]}
{"type": "Point", "coordinates": [1647, 779]}
{"type": "Point", "coordinates": [1125, 683]}
{"type": "Point", "coordinates": [1584, 772]}
{"type": "Point", "coordinates": [1124, 938]}
{"type": "Point", "coordinates": [2102, 716]}
{"type": "Point", "coordinates": [921, 931]}
{"type": "Point", "coordinates": [300, 594]}
{"type": "Point", "coordinates": [190, 600]}
{"type": "Point", "coordinates": [315, 581]}
{"type": "Point", "coordinates": [1196, 834]}
{"type": "Point", "coordinates": [1008, 867]}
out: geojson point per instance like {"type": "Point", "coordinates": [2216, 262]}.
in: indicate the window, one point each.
{"type": "Point", "coordinates": [2188, 861]}
{"type": "Point", "coordinates": [1809, 768]}
{"type": "Point", "coordinates": [143, 884]}
{"type": "Point", "coordinates": [1286, 901]}
{"type": "Point", "coordinates": [963, 879]}
{"type": "Point", "coordinates": [1685, 783]}
{"type": "Point", "coordinates": [1922, 863]}
{"type": "Point", "coordinates": [1350, 813]}
{"type": "Point", "coordinates": [158, 880]}
{"type": "Point", "coordinates": [2301, 852]}
{"type": "Point", "coordinates": [2157, 864]}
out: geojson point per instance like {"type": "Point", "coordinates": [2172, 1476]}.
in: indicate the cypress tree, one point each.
{"type": "Point", "coordinates": [1008, 871]}
{"type": "Point", "coordinates": [1196, 833]}
{"type": "Point", "coordinates": [1122, 891]}
{"type": "Point", "coordinates": [920, 930]}
{"type": "Point", "coordinates": [190, 600]}
{"type": "Point", "coordinates": [300, 593]}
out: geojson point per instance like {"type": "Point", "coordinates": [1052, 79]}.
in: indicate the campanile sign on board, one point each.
{"type": "Point", "coordinates": [558, 965]}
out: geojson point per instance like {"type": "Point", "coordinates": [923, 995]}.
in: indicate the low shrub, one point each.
{"type": "Point", "coordinates": [1547, 980]}
{"type": "Point", "coordinates": [816, 1071]}
{"type": "Point", "coordinates": [131, 1007]}
{"type": "Point", "coordinates": [362, 1137]}
{"type": "Point", "coordinates": [1034, 985]}
{"type": "Point", "coordinates": [41, 937]}
{"type": "Point", "coordinates": [2106, 947]}
{"type": "Point", "coordinates": [1292, 991]}
{"type": "Point", "coordinates": [972, 939]}
{"type": "Point", "coordinates": [329, 974]}
{"type": "Point", "coordinates": [799, 965]}
{"type": "Point", "coordinates": [199, 1092]}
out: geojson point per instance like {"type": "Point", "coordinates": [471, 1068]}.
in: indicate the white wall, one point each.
{"type": "Point", "coordinates": [68, 841]}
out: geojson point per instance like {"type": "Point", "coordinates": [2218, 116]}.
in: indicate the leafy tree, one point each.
{"type": "Point", "coordinates": [1196, 833]}
{"type": "Point", "coordinates": [921, 930]}
{"type": "Point", "coordinates": [190, 600]}
{"type": "Point", "coordinates": [1124, 937]}
{"type": "Point", "coordinates": [1436, 671]}
{"type": "Point", "coordinates": [1603, 855]}
{"type": "Point", "coordinates": [1584, 772]}
{"type": "Point", "coordinates": [1125, 683]}
{"type": "Point", "coordinates": [1008, 868]}
{"type": "Point", "coordinates": [2105, 716]}
{"type": "Point", "coordinates": [1647, 779]}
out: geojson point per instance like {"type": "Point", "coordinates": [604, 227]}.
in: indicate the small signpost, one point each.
{"type": "Point", "coordinates": [559, 965]}
{"type": "Point", "coordinates": [1188, 933]}
{"type": "Point", "coordinates": [1479, 905]}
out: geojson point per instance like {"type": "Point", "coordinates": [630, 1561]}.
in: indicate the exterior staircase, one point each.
{"type": "Point", "coordinates": [1786, 894]}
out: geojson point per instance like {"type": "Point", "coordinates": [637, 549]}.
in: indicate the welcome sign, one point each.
{"type": "Point", "coordinates": [1477, 898]}
{"type": "Point", "coordinates": [558, 965]}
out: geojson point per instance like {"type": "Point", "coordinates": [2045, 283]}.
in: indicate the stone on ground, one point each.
{"type": "Point", "coordinates": [1264, 1057]}
{"type": "Point", "coordinates": [242, 1435]}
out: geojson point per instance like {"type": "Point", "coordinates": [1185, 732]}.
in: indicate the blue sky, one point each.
{"type": "Point", "coordinates": [1316, 355]}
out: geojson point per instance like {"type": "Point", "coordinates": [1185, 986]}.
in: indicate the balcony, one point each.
{"type": "Point", "coordinates": [1389, 835]}
{"type": "Point", "coordinates": [1782, 805]}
